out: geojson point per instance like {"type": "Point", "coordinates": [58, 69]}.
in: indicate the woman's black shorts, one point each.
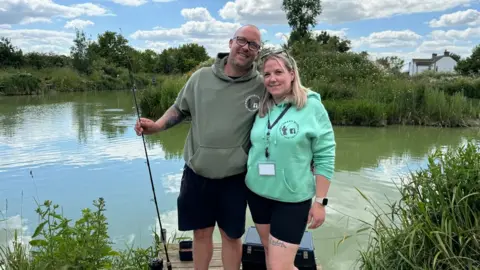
{"type": "Point", "coordinates": [288, 221]}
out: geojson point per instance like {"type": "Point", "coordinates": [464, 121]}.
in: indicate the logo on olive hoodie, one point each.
{"type": "Point", "coordinates": [252, 103]}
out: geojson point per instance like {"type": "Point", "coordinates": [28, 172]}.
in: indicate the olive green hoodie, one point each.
{"type": "Point", "coordinates": [222, 111]}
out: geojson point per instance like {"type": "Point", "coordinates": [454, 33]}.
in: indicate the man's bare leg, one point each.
{"type": "Point", "coordinates": [231, 252]}
{"type": "Point", "coordinates": [202, 248]}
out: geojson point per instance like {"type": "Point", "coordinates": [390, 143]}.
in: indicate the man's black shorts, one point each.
{"type": "Point", "coordinates": [288, 221]}
{"type": "Point", "coordinates": [202, 202]}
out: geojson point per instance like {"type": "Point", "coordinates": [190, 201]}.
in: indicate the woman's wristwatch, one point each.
{"type": "Point", "coordinates": [322, 200]}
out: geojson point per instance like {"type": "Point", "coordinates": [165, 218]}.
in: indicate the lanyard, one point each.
{"type": "Point", "coordinates": [267, 154]}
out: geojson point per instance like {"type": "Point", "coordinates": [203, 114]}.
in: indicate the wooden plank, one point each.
{"type": "Point", "coordinates": [215, 263]}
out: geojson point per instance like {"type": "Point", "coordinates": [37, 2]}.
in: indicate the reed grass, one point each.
{"type": "Point", "coordinates": [436, 224]}
{"type": "Point", "coordinates": [155, 100]}
{"type": "Point", "coordinates": [396, 101]}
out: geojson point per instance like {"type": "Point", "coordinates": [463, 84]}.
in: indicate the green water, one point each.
{"type": "Point", "coordinates": [82, 146]}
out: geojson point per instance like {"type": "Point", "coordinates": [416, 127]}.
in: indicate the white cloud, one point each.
{"type": "Point", "coordinates": [200, 28]}
{"type": "Point", "coordinates": [212, 45]}
{"type": "Point", "coordinates": [334, 11]}
{"type": "Point", "coordinates": [190, 29]}
{"type": "Point", "coordinates": [25, 11]}
{"type": "Point", "coordinates": [196, 14]}
{"type": "Point", "coordinates": [80, 24]}
{"type": "Point", "coordinates": [470, 17]}
{"type": "Point", "coordinates": [389, 39]}
{"type": "Point", "coordinates": [5, 26]}
{"type": "Point", "coordinates": [39, 40]}
{"type": "Point", "coordinates": [282, 36]}
{"type": "Point", "coordinates": [439, 46]}
{"type": "Point", "coordinates": [134, 3]}
{"type": "Point", "coordinates": [452, 35]}
{"type": "Point", "coordinates": [30, 20]}
{"type": "Point", "coordinates": [156, 46]}
{"type": "Point", "coordinates": [254, 11]}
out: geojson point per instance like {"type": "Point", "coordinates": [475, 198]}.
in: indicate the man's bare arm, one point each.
{"type": "Point", "coordinates": [170, 118]}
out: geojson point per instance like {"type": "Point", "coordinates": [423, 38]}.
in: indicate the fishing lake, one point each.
{"type": "Point", "coordinates": [73, 148]}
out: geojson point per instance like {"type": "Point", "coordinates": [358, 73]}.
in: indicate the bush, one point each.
{"type": "Point", "coordinates": [436, 224]}
{"type": "Point", "coordinates": [20, 83]}
{"type": "Point", "coordinates": [316, 63]}
{"type": "Point", "coordinates": [104, 77]}
{"type": "Point", "coordinates": [85, 244]}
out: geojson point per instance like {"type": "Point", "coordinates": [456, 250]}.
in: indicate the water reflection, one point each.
{"type": "Point", "coordinates": [101, 121]}
{"type": "Point", "coordinates": [363, 147]}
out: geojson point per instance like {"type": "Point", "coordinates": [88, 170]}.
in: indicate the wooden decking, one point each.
{"type": "Point", "coordinates": [215, 263]}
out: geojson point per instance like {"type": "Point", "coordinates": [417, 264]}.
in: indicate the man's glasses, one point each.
{"type": "Point", "coordinates": [251, 45]}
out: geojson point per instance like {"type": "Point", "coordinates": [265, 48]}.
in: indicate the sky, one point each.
{"type": "Point", "coordinates": [403, 28]}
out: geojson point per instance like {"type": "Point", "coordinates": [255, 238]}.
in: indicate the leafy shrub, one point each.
{"type": "Point", "coordinates": [85, 244]}
{"type": "Point", "coordinates": [21, 83]}
{"type": "Point", "coordinates": [316, 63]}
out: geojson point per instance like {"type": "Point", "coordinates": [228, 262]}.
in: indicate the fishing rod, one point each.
{"type": "Point", "coordinates": [134, 89]}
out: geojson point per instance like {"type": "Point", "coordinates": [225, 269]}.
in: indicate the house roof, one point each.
{"type": "Point", "coordinates": [422, 61]}
{"type": "Point", "coordinates": [428, 61]}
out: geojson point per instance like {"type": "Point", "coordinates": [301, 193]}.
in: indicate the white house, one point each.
{"type": "Point", "coordinates": [442, 63]}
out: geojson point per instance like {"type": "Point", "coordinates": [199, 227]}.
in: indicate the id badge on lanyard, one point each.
{"type": "Point", "coordinates": [267, 168]}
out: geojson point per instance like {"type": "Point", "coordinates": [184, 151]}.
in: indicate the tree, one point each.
{"type": "Point", "coordinates": [79, 53]}
{"type": "Point", "coordinates": [9, 54]}
{"type": "Point", "coordinates": [189, 56]}
{"type": "Point", "coordinates": [455, 56]}
{"type": "Point", "coordinates": [147, 60]}
{"type": "Point", "coordinates": [113, 47]}
{"type": "Point", "coordinates": [301, 15]}
{"type": "Point", "coordinates": [391, 63]}
{"type": "Point", "coordinates": [471, 64]}
{"type": "Point", "coordinates": [333, 42]}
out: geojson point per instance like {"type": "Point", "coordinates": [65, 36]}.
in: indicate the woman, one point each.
{"type": "Point", "coordinates": [292, 132]}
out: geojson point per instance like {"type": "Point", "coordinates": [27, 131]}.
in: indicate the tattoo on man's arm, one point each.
{"type": "Point", "coordinates": [173, 117]}
{"type": "Point", "coordinates": [277, 243]}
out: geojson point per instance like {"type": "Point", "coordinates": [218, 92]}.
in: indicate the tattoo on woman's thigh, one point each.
{"type": "Point", "coordinates": [277, 243]}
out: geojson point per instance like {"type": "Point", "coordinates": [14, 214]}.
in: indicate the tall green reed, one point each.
{"type": "Point", "coordinates": [436, 224]}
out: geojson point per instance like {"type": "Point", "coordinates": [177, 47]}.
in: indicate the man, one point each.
{"type": "Point", "coordinates": [222, 101]}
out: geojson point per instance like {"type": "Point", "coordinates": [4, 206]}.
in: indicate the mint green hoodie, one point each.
{"type": "Point", "coordinates": [299, 137]}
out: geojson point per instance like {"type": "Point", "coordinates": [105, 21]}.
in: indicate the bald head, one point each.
{"type": "Point", "coordinates": [248, 27]}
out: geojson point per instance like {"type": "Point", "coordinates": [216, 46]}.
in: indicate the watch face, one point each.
{"type": "Point", "coordinates": [325, 201]}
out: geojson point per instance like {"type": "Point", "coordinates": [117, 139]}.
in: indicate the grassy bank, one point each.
{"type": "Point", "coordinates": [57, 243]}
{"type": "Point", "coordinates": [28, 81]}
{"type": "Point", "coordinates": [355, 91]}
{"type": "Point", "coordinates": [436, 224]}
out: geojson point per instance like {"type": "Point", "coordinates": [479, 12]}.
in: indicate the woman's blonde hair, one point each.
{"type": "Point", "coordinates": [298, 93]}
